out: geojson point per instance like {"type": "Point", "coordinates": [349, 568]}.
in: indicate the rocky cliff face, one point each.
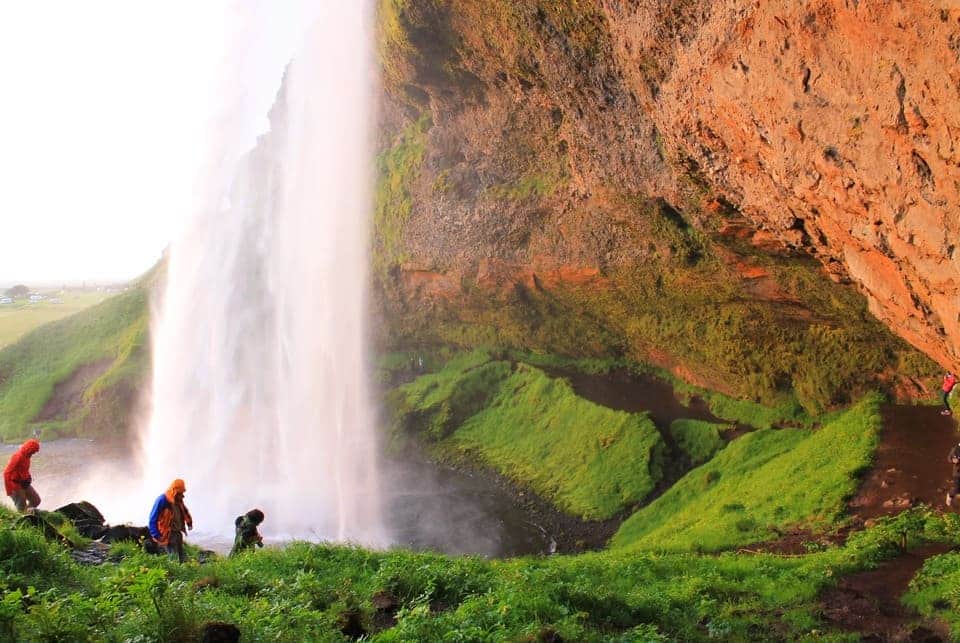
{"type": "Point", "coordinates": [704, 185]}
{"type": "Point", "coordinates": [832, 126]}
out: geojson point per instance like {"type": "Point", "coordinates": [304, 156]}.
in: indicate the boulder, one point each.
{"type": "Point", "coordinates": [125, 533]}
{"type": "Point", "coordinates": [87, 519]}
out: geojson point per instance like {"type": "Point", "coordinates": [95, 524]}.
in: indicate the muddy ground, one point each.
{"type": "Point", "coordinates": [910, 468]}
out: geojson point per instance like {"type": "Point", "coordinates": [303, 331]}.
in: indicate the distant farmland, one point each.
{"type": "Point", "coordinates": [19, 318]}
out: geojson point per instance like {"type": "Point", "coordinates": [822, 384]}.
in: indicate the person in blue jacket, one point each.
{"type": "Point", "coordinates": [170, 519]}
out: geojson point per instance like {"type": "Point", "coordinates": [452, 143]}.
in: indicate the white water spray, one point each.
{"type": "Point", "coordinates": [260, 396]}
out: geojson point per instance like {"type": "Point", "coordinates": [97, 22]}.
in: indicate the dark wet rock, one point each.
{"type": "Point", "coordinates": [217, 632]}
{"type": "Point", "coordinates": [41, 520]}
{"type": "Point", "coordinates": [206, 556]}
{"type": "Point", "coordinates": [125, 533]}
{"type": "Point", "coordinates": [549, 635]}
{"type": "Point", "coordinates": [385, 607]}
{"type": "Point", "coordinates": [87, 519]}
{"type": "Point", "coordinates": [96, 553]}
{"type": "Point", "coordinates": [83, 510]}
{"type": "Point", "coordinates": [351, 624]}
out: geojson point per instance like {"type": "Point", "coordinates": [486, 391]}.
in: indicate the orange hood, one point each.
{"type": "Point", "coordinates": [177, 486]}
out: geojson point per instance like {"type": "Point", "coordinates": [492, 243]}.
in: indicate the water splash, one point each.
{"type": "Point", "coordinates": [260, 395]}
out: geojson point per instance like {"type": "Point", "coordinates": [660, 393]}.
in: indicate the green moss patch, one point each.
{"type": "Point", "coordinates": [397, 168]}
{"type": "Point", "coordinates": [760, 481]}
{"type": "Point", "coordinates": [698, 439]}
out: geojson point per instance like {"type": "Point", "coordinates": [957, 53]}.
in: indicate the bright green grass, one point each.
{"type": "Point", "coordinates": [436, 404]}
{"type": "Point", "coordinates": [16, 320]}
{"type": "Point", "coordinates": [306, 592]}
{"type": "Point", "coordinates": [935, 591]}
{"type": "Point", "coordinates": [763, 479]}
{"type": "Point", "coordinates": [590, 460]}
{"type": "Point", "coordinates": [116, 330]}
{"type": "Point", "coordinates": [698, 439]}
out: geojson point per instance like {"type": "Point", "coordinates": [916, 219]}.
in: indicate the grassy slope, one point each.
{"type": "Point", "coordinates": [19, 319]}
{"type": "Point", "coordinates": [590, 460]}
{"type": "Point", "coordinates": [308, 592]}
{"type": "Point", "coordinates": [762, 479]}
{"type": "Point", "coordinates": [30, 369]}
{"type": "Point", "coordinates": [700, 440]}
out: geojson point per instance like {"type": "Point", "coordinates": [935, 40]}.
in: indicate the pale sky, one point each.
{"type": "Point", "coordinates": [107, 110]}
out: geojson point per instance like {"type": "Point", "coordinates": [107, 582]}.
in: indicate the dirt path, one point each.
{"type": "Point", "coordinates": [869, 602]}
{"type": "Point", "coordinates": [911, 465]}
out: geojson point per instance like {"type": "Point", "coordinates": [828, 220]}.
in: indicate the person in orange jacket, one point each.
{"type": "Point", "coordinates": [17, 480]}
{"type": "Point", "coordinates": [170, 519]}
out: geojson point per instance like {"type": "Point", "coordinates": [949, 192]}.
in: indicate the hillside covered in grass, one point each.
{"type": "Point", "coordinates": [589, 460]}
{"type": "Point", "coordinates": [79, 375]}
{"type": "Point", "coordinates": [763, 480]}
{"type": "Point", "coordinates": [20, 317]}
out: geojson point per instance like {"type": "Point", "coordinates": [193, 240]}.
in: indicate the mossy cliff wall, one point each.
{"type": "Point", "coordinates": [550, 179]}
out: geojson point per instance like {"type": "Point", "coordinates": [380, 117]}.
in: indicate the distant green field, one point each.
{"type": "Point", "coordinates": [19, 318]}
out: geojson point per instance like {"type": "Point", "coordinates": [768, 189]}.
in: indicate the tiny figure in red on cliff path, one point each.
{"type": "Point", "coordinates": [17, 479]}
{"type": "Point", "coordinates": [949, 381]}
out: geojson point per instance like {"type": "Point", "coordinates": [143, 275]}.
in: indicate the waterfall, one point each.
{"type": "Point", "coordinates": [260, 393]}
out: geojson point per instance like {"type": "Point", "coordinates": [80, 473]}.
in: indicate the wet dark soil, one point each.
{"type": "Point", "coordinates": [797, 542]}
{"type": "Point", "coordinates": [627, 391]}
{"type": "Point", "coordinates": [68, 395]}
{"type": "Point", "coordinates": [869, 602]}
{"type": "Point", "coordinates": [910, 465]}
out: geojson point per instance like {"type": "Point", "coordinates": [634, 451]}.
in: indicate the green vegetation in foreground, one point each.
{"type": "Point", "coordinates": [698, 439]}
{"type": "Point", "coordinates": [309, 592]}
{"type": "Point", "coordinates": [763, 479]}
{"type": "Point", "coordinates": [590, 460]}
{"type": "Point", "coordinates": [115, 331]}
{"type": "Point", "coordinates": [935, 590]}
{"type": "Point", "coordinates": [17, 319]}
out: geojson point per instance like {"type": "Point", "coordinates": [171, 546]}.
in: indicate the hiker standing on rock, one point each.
{"type": "Point", "coordinates": [17, 480]}
{"type": "Point", "coordinates": [954, 459]}
{"type": "Point", "coordinates": [247, 534]}
{"type": "Point", "coordinates": [949, 381]}
{"type": "Point", "coordinates": [170, 519]}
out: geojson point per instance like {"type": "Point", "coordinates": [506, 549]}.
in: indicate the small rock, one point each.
{"type": "Point", "coordinates": [94, 554]}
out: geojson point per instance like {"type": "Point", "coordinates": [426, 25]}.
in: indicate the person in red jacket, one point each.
{"type": "Point", "coordinates": [16, 478]}
{"type": "Point", "coordinates": [949, 381]}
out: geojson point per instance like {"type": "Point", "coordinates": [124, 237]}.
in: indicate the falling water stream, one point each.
{"type": "Point", "coordinates": [260, 396]}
